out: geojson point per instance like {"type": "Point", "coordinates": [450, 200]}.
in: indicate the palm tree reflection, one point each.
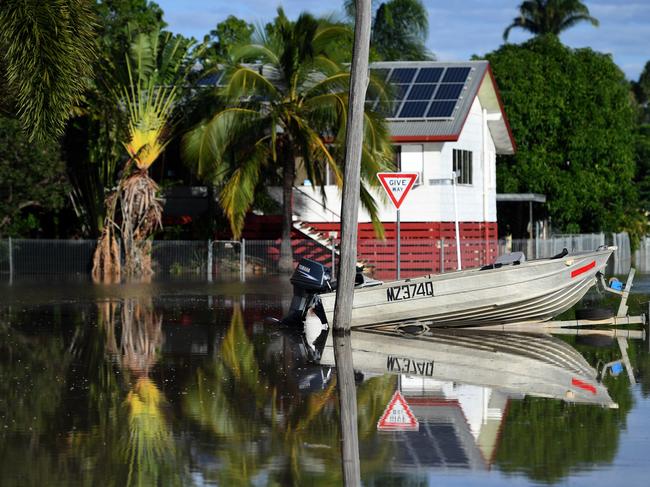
{"type": "Point", "coordinates": [147, 445]}
{"type": "Point", "coordinates": [271, 415]}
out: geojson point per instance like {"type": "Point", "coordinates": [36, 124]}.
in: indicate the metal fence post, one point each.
{"type": "Point", "coordinates": [242, 260]}
{"type": "Point", "coordinates": [210, 260]}
{"type": "Point", "coordinates": [11, 262]}
{"type": "Point", "coordinates": [442, 255]}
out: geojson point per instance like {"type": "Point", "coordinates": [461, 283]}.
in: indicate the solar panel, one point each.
{"type": "Point", "coordinates": [426, 92]}
{"type": "Point", "coordinates": [402, 75]}
{"type": "Point", "coordinates": [449, 91]}
{"type": "Point", "coordinates": [441, 109]}
{"type": "Point", "coordinates": [455, 75]}
{"type": "Point", "coordinates": [421, 92]}
{"type": "Point", "coordinates": [399, 91]}
{"type": "Point", "coordinates": [413, 109]}
{"type": "Point", "coordinates": [212, 79]}
{"type": "Point", "coordinates": [429, 75]}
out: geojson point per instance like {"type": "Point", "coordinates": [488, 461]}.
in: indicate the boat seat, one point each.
{"type": "Point", "coordinates": [513, 258]}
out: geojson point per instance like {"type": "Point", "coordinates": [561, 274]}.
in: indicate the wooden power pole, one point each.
{"type": "Point", "coordinates": [352, 172]}
{"type": "Point", "coordinates": [347, 267]}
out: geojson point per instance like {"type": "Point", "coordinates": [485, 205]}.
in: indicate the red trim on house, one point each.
{"type": "Point", "coordinates": [431, 401]}
{"type": "Point", "coordinates": [426, 138]}
{"type": "Point", "coordinates": [503, 110]}
{"type": "Point", "coordinates": [583, 269]}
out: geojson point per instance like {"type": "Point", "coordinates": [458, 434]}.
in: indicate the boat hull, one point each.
{"type": "Point", "coordinates": [530, 292]}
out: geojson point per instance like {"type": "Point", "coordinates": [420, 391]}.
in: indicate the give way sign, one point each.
{"type": "Point", "coordinates": [398, 416]}
{"type": "Point", "coordinates": [397, 185]}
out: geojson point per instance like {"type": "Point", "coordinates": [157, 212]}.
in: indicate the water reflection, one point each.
{"type": "Point", "coordinates": [342, 345]}
{"type": "Point", "coordinates": [178, 391]}
{"type": "Point", "coordinates": [482, 400]}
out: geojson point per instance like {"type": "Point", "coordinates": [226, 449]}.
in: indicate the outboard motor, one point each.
{"type": "Point", "coordinates": [309, 279]}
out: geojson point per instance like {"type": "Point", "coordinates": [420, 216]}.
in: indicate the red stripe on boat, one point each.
{"type": "Point", "coordinates": [583, 385]}
{"type": "Point", "coordinates": [583, 269]}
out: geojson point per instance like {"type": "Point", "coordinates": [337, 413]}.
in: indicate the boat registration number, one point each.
{"type": "Point", "coordinates": [409, 366]}
{"type": "Point", "coordinates": [409, 291]}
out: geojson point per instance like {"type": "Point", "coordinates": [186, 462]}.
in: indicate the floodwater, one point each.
{"type": "Point", "coordinates": [183, 383]}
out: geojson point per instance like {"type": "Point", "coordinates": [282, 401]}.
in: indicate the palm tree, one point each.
{"type": "Point", "coordinates": [399, 30]}
{"type": "Point", "coordinates": [288, 109]}
{"type": "Point", "coordinates": [550, 16]}
{"type": "Point", "coordinates": [46, 53]}
{"type": "Point", "coordinates": [156, 67]}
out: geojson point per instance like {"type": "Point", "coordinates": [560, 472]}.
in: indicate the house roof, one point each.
{"type": "Point", "coordinates": [431, 100]}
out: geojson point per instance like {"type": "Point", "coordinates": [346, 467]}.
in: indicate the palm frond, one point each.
{"type": "Point", "coordinates": [205, 147]}
{"type": "Point", "coordinates": [150, 108]}
{"type": "Point", "coordinates": [238, 194]}
{"type": "Point", "coordinates": [574, 19]}
{"type": "Point", "coordinates": [370, 205]}
{"type": "Point", "coordinates": [335, 83]}
{"type": "Point", "coordinates": [245, 82]}
{"type": "Point", "coordinates": [48, 52]}
{"type": "Point", "coordinates": [259, 52]}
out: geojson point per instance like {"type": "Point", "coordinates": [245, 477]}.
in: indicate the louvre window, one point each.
{"type": "Point", "coordinates": [463, 166]}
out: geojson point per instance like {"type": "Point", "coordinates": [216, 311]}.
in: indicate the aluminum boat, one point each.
{"type": "Point", "coordinates": [512, 290]}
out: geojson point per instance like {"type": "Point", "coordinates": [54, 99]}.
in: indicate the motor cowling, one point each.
{"type": "Point", "coordinates": [309, 279]}
{"type": "Point", "coordinates": [311, 276]}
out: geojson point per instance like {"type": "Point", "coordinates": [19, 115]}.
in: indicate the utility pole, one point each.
{"type": "Point", "coordinates": [352, 174]}
{"type": "Point", "coordinates": [347, 262]}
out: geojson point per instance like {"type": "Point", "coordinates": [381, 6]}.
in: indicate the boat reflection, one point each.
{"type": "Point", "coordinates": [458, 385]}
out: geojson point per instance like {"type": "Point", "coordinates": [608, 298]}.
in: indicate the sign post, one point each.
{"type": "Point", "coordinates": [397, 186]}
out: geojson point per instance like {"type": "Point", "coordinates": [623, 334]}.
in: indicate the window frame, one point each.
{"type": "Point", "coordinates": [463, 166]}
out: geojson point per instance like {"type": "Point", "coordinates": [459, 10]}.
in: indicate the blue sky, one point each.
{"type": "Point", "coordinates": [457, 29]}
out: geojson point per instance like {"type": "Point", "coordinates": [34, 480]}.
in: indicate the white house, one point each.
{"type": "Point", "coordinates": [446, 118]}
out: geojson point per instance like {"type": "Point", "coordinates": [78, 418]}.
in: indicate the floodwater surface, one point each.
{"type": "Point", "coordinates": [184, 384]}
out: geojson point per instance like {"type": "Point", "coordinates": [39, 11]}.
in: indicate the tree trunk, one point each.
{"type": "Point", "coordinates": [286, 254]}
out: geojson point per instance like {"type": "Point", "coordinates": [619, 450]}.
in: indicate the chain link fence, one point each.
{"type": "Point", "coordinates": [237, 260]}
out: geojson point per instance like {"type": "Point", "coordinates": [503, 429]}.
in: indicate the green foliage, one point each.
{"type": "Point", "coordinates": [131, 29]}
{"type": "Point", "coordinates": [550, 16]}
{"type": "Point", "coordinates": [573, 121]}
{"type": "Point", "coordinates": [399, 30]}
{"type": "Point", "coordinates": [94, 138]}
{"type": "Point", "coordinates": [548, 439]}
{"type": "Point", "coordinates": [47, 50]}
{"type": "Point", "coordinates": [641, 91]}
{"type": "Point", "coordinates": [274, 114]}
{"type": "Point", "coordinates": [119, 20]}
{"type": "Point", "coordinates": [643, 166]}
{"type": "Point", "coordinates": [227, 36]}
{"type": "Point", "coordinates": [32, 180]}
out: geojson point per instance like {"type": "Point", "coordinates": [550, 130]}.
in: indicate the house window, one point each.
{"type": "Point", "coordinates": [463, 166]}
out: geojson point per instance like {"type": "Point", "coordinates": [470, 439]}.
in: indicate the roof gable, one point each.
{"type": "Point", "coordinates": [431, 100]}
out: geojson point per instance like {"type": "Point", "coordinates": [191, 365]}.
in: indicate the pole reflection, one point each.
{"type": "Point", "coordinates": [348, 404]}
